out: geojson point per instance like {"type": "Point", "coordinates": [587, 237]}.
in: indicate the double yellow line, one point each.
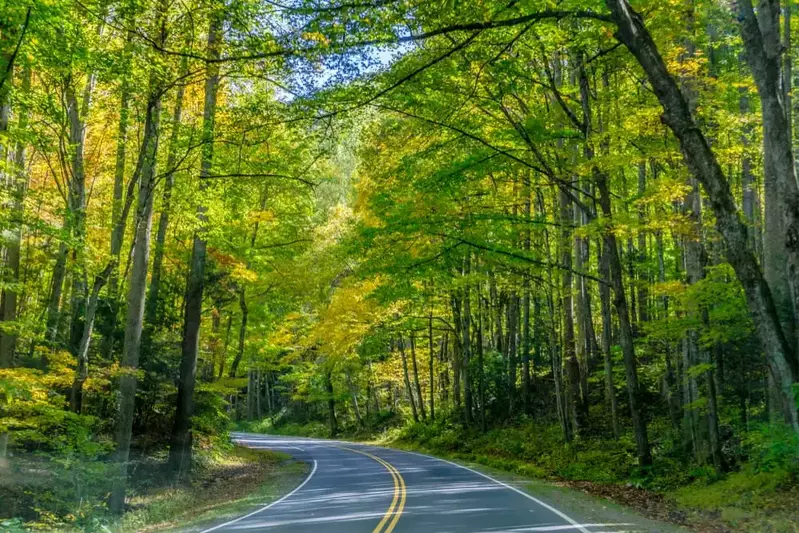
{"type": "Point", "coordinates": [392, 516]}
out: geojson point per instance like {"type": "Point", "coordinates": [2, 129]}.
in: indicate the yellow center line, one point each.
{"type": "Point", "coordinates": [401, 506]}
{"type": "Point", "coordinates": [394, 509]}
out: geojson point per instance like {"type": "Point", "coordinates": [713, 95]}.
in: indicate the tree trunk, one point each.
{"type": "Point", "coordinates": [567, 307]}
{"type": "Point", "coordinates": [582, 344]}
{"type": "Point", "coordinates": [764, 51]}
{"type": "Point", "coordinates": [513, 350]}
{"type": "Point", "coordinates": [76, 210]}
{"type": "Point", "coordinates": [466, 321]}
{"type": "Point", "coordinates": [695, 261]}
{"type": "Point", "coordinates": [444, 373]}
{"type": "Point", "coordinates": [643, 274]}
{"type": "Point", "coordinates": [82, 372]}
{"type": "Point", "coordinates": [480, 361]}
{"type": "Point", "coordinates": [137, 287]}
{"type": "Point", "coordinates": [242, 333]}
{"type": "Point", "coordinates": [497, 303]}
{"type": "Point", "coordinates": [526, 386]}
{"type": "Point", "coordinates": [118, 231]}
{"type": "Point", "coordinates": [354, 399]}
{"type": "Point", "coordinates": [252, 392]}
{"type": "Point", "coordinates": [408, 389]}
{"type": "Point", "coordinates": [56, 289]}
{"type": "Point", "coordinates": [432, 385]}
{"type": "Point", "coordinates": [625, 327]}
{"type": "Point", "coordinates": [13, 239]}
{"type": "Point", "coordinates": [457, 357]}
{"type": "Point", "coordinates": [223, 355]}
{"type": "Point", "coordinates": [607, 337]}
{"type": "Point", "coordinates": [750, 201]}
{"type": "Point", "coordinates": [419, 395]}
{"type": "Point", "coordinates": [331, 405]}
{"type": "Point", "coordinates": [151, 312]}
{"type": "Point", "coordinates": [180, 453]}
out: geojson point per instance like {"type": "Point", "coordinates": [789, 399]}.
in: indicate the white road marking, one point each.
{"type": "Point", "coordinates": [574, 523]}
{"type": "Point", "coordinates": [286, 497]}
{"type": "Point", "coordinates": [566, 528]}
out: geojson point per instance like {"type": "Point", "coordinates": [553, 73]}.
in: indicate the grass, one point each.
{"type": "Point", "coordinates": [235, 485]}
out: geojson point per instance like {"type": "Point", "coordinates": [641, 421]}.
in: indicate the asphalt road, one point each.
{"type": "Point", "coordinates": [354, 488]}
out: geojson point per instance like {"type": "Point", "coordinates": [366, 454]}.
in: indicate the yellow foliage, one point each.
{"type": "Point", "coordinates": [315, 36]}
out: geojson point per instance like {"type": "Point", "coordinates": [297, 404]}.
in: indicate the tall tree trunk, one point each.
{"type": "Point", "coordinates": [695, 261]}
{"type": "Point", "coordinates": [705, 167]}
{"type": "Point", "coordinates": [180, 452]}
{"type": "Point", "coordinates": [643, 271]}
{"type": "Point", "coordinates": [625, 327]}
{"type": "Point", "coordinates": [607, 337]}
{"type": "Point", "coordinates": [18, 184]}
{"type": "Point", "coordinates": [223, 355]}
{"type": "Point", "coordinates": [750, 201]}
{"type": "Point", "coordinates": [480, 361]}
{"type": "Point", "coordinates": [419, 395]}
{"type": "Point", "coordinates": [252, 392]}
{"type": "Point", "coordinates": [582, 344]}
{"type": "Point", "coordinates": [526, 386]}
{"type": "Point", "coordinates": [56, 290]}
{"type": "Point", "coordinates": [497, 303]}
{"type": "Point", "coordinates": [444, 373]}
{"type": "Point", "coordinates": [118, 231]}
{"type": "Point", "coordinates": [432, 385]}
{"type": "Point", "coordinates": [513, 349]}
{"type": "Point", "coordinates": [408, 389]}
{"type": "Point", "coordinates": [457, 354]}
{"type": "Point", "coordinates": [567, 308]}
{"type": "Point", "coordinates": [82, 372]}
{"type": "Point", "coordinates": [77, 113]}
{"type": "Point", "coordinates": [554, 318]}
{"type": "Point", "coordinates": [764, 51]}
{"type": "Point", "coordinates": [466, 328]}
{"type": "Point", "coordinates": [245, 312]}
{"type": "Point", "coordinates": [151, 313]}
{"type": "Point", "coordinates": [331, 405]}
{"type": "Point", "coordinates": [137, 284]}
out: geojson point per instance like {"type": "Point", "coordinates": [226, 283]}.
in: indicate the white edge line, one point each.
{"type": "Point", "coordinates": [287, 496]}
{"type": "Point", "coordinates": [564, 516]}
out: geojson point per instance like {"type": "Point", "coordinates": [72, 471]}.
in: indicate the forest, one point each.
{"type": "Point", "coordinates": [557, 237]}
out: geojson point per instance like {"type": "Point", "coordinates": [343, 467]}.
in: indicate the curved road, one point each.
{"type": "Point", "coordinates": [352, 488]}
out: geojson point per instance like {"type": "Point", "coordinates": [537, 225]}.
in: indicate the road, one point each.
{"type": "Point", "coordinates": [354, 488]}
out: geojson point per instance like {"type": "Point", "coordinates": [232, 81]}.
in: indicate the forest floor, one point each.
{"type": "Point", "coordinates": [596, 484]}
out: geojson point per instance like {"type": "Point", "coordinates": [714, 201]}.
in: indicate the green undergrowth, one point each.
{"type": "Point", "coordinates": [758, 492]}
{"type": "Point", "coordinates": [294, 429]}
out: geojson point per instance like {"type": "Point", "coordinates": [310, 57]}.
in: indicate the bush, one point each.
{"type": "Point", "coordinates": [773, 448]}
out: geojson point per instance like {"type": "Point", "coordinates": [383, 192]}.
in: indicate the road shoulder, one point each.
{"type": "Point", "coordinates": [264, 477]}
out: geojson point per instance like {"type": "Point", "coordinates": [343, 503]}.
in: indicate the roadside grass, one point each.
{"type": "Point", "coordinates": [234, 485]}
{"type": "Point", "coordinates": [759, 493]}
{"type": "Point", "coordinates": [226, 481]}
